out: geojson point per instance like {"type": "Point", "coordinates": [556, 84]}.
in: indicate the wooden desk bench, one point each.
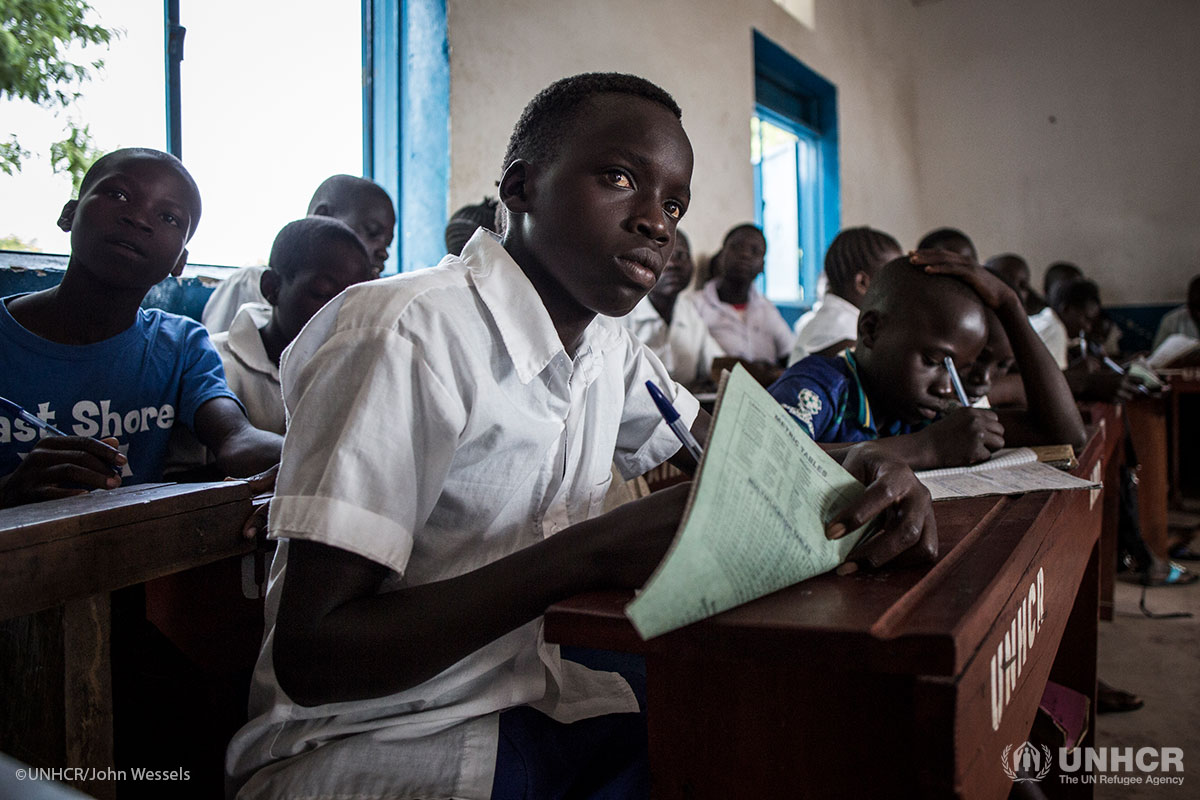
{"type": "Point", "coordinates": [62, 558]}
{"type": "Point", "coordinates": [896, 683]}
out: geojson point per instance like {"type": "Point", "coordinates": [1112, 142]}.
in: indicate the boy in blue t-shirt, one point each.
{"type": "Point", "coordinates": [84, 357]}
{"type": "Point", "coordinates": [918, 311]}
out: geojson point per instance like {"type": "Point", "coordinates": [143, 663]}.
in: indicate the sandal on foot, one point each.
{"type": "Point", "coordinates": [1175, 575]}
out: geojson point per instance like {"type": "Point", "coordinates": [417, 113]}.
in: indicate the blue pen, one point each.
{"type": "Point", "coordinates": [958, 387]}
{"type": "Point", "coordinates": [672, 417]}
{"type": "Point", "coordinates": [35, 421]}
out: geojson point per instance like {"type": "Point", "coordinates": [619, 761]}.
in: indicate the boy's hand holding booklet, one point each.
{"type": "Point", "coordinates": [756, 519]}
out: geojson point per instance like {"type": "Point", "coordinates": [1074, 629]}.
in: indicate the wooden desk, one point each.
{"type": "Point", "coordinates": [1108, 420]}
{"type": "Point", "coordinates": [1147, 418]}
{"type": "Point", "coordinates": [1181, 383]}
{"type": "Point", "coordinates": [902, 682]}
{"type": "Point", "coordinates": [62, 558]}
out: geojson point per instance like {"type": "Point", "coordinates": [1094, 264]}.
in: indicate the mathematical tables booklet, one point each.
{"type": "Point", "coordinates": [756, 518]}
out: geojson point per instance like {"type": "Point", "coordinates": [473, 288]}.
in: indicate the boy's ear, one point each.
{"type": "Point", "coordinates": [177, 270]}
{"type": "Point", "coordinates": [868, 327]}
{"type": "Point", "coordinates": [516, 185]}
{"type": "Point", "coordinates": [268, 284]}
{"type": "Point", "coordinates": [861, 282]}
{"type": "Point", "coordinates": [67, 217]}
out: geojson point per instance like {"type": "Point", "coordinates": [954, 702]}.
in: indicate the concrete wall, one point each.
{"type": "Point", "coordinates": [1066, 130]}
{"type": "Point", "coordinates": [502, 52]}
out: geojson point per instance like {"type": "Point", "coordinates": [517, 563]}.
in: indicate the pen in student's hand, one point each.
{"type": "Point", "coordinates": [954, 379]}
{"type": "Point", "coordinates": [33, 420]}
{"type": "Point", "coordinates": [37, 422]}
{"type": "Point", "coordinates": [672, 417]}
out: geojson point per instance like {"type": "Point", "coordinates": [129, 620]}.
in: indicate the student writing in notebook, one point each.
{"type": "Point", "coordinates": [451, 437]}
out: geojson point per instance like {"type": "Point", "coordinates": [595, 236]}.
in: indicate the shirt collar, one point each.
{"type": "Point", "coordinates": [245, 341]}
{"type": "Point", "coordinates": [524, 324]}
{"type": "Point", "coordinates": [865, 418]}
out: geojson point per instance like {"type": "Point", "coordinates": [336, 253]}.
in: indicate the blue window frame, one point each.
{"type": "Point", "coordinates": [794, 150]}
{"type": "Point", "coordinates": [406, 115]}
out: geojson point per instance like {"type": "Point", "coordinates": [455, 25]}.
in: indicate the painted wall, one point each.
{"type": "Point", "coordinates": [504, 51]}
{"type": "Point", "coordinates": [1066, 130]}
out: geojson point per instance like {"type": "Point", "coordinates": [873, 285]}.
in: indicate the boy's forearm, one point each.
{"type": "Point", "coordinates": [249, 453]}
{"type": "Point", "coordinates": [1048, 396]}
{"type": "Point", "coordinates": [372, 645]}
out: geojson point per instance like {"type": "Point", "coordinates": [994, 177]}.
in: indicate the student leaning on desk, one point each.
{"type": "Point", "coordinates": [84, 357]}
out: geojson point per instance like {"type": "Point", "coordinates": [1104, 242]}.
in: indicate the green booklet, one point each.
{"type": "Point", "coordinates": [756, 518]}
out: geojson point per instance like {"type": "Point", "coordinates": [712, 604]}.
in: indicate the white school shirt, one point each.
{"type": "Point", "coordinates": [231, 294]}
{"type": "Point", "coordinates": [1053, 333]}
{"type": "Point", "coordinates": [250, 373]}
{"type": "Point", "coordinates": [685, 347]}
{"type": "Point", "coordinates": [436, 424]}
{"type": "Point", "coordinates": [1178, 320]}
{"type": "Point", "coordinates": [833, 319]}
{"type": "Point", "coordinates": [757, 334]}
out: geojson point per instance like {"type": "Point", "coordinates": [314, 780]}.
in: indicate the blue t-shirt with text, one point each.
{"type": "Point", "coordinates": [134, 386]}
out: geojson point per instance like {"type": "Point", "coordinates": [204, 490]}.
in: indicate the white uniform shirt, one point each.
{"type": "Point", "coordinates": [1178, 320]}
{"type": "Point", "coordinates": [759, 333]}
{"type": "Point", "coordinates": [685, 347]}
{"type": "Point", "coordinates": [1053, 334]}
{"type": "Point", "coordinates": [250, 373]}
{"type": "Point", "coordinates": [436, 424]}
{"type": "Point", "coordinates": [230, 295]}
{"type": "Point", "coordinates": [832, 320]}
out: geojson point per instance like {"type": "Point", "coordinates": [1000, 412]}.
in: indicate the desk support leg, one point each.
{"type": "Point", "coordinates": [87, 689]}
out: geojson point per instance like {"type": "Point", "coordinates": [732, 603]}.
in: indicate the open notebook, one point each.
{"type": "Point", "coordinates": [1008, 471]}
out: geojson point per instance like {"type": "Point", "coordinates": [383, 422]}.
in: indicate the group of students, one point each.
{"type": "Point", "coordinates": [450, 433]}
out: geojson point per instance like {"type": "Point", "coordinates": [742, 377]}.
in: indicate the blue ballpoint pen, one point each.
{"type": "Point", "coordinates": [958, 387]}
{"type": "Point", "coordinates": [32, 419]}
{"type": "Point", "coordinates": [672, 417]}
{"type": "Point", "coordinates": [35, 421]}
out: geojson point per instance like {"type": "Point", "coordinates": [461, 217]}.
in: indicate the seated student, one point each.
{"type": "Point", "coordinates": [86, 358]}
{"type": "Point", "coordinates": [312, 261]}
{"type": "Point", "coordinates": [895, 381]}
{"type": "Point", "coordinates": [468, 219]}
{"type": "Point", "coordinates": [666, 321]}
{"type": "Point", "coordinates": [1184, 320]}
{"type": "Point", "coordinates": [360, 203]}
{"type": "Point", "coordinates": [1047, 322]}
{"type": "Point", "coordinates": [1047, 412]}
{"type": "Point", "coordinates": [853, 257]}
{"type": "Point", "coordinates": [404, 655]}
{"type": "Point", "coordinates": [1077, 304]}
{"type": "Point", "coordinates": [1014, 270]}
{"type": "Point", "coordinates": [951, 240]}
{"type": "Point", "coordinates": [745, 324]}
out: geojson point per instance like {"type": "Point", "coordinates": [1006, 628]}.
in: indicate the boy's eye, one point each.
{"type": "Point", "coordinates": [929, 362]}
{"type": "Point", "coordinates": [171, 219]}
{"type": "Point", "coordinates": [117, 194]}
{"type": "Point", "coordinates": [673, 209]}
{"type": "Point", "coordinates": [618, 178]}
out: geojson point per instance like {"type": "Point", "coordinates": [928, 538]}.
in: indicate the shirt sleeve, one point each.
{"type": "Point", "coordinates": [808, 395]}
{"type": "Point", "coordinates": [203, 376]}
{"type": "Point", "coordinates": [644, 440]}
{"type": "Point", "coordinates": [371, 437]}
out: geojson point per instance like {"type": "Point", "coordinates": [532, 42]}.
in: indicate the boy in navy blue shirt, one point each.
{"type": "Point", "coordinates": [918, 311]}
{"type": "Point", "coordinates": [87, 359]}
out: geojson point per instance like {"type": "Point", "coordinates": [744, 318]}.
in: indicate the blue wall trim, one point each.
{"type": "Point", "coordinates": [407, 107]}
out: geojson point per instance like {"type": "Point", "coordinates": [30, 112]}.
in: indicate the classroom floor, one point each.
{"type": "Point", "coordinates": [1158, 659]}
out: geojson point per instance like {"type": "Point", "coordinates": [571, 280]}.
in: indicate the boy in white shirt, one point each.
{"type": "Point", "coordinates": [852, 259]}
{"type": "Point", "coordinates": [450, 438]}
{"type": "Point", "coordinates": [312, 261]}
{"type": "Point", "coordinates": [667, 322]}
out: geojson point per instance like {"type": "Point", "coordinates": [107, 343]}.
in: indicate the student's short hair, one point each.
{"type": "Point", "coordinates": [109, 161]}
{"type": "Point", "coordinates": [856, 250]}
{"type": "Point", "coordinates": [300, 240]}
{"type": "Point", "coordinates": [1058, 273]}
{"type": "Point", "coordinates": [946, 239]}
{"type": "Point", "coordinates": [1076, 294]}
{"type": "Point", "coordinates": [998, 264]}
{"type": "Point", "coordinates": [341, 191]}
{"type": "Point", "coordinates": [541, 125]}
{"type": "Point", "coordinates": [901, 287]}
{"type": "Point", "coordinates": [464, 222]}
